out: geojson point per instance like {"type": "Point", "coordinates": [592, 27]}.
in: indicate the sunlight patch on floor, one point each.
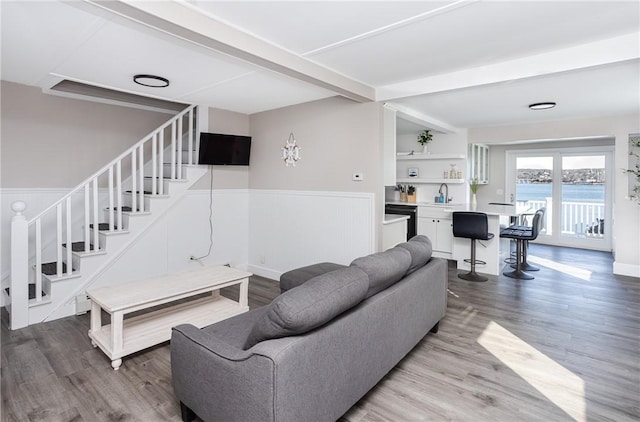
{"type": "Point", "coordinates": [563, 268]}
{"type": "Point", "coordinates": [561, 386]}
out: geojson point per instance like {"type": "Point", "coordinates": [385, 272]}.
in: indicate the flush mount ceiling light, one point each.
{"type": "Point", "coordinates": [151, 80]}
{"type": "Point", "coordinates": [542, 106]}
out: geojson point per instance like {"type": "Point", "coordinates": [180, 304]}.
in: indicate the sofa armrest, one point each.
{"type": "Point", "coordinates": [219, 381]}
{"type": "Point", "coordinates": [211, 343]}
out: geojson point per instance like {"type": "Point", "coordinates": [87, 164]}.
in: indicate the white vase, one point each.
{"type": "Point", "coordinates": [425, 149]}
{"type": "Point", "coordinates": [474, 201]}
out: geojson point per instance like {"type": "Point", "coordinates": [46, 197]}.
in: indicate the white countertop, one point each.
{"type": "Point", "coordinates": [505, 210]}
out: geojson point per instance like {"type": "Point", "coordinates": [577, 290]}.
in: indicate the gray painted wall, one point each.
{"type": "Point", "coordinates": [52, 142]}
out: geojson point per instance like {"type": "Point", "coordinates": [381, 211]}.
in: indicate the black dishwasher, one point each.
{"type": "Point", "coordinates": [410, 210]}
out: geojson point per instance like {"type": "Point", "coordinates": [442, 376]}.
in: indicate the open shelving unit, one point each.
{"type": "Point", "coordinates": [401, 156]}
{"type": "Point", "coordinates": [429, 180]}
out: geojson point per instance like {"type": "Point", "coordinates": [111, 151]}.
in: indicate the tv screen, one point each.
{"type": "Point", "coordinates": [221, 149]}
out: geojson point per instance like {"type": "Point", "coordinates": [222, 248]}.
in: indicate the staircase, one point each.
{"type": "Point", "coordinates": [56, 255]}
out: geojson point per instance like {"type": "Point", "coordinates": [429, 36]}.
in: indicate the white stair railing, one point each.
{"type": "Point", "coordinates": [77, 213]}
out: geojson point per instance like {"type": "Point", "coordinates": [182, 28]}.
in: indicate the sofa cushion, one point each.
{"type": "Point", "coordinates": [310, 305]}
{"type": "Point", "coordinates": [384, 268]}
{"type": "Point", "coordinates": [296, 277]}
{"type": "Point", "coordinates": [420, 249]}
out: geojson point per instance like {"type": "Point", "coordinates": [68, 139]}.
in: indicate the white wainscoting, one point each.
{"type": "Point", "coordinates": [291, 229]}
{"type": "Point", "coordinates": [267, 232]}
{"type": "Point", "coordinates": [184, 232]}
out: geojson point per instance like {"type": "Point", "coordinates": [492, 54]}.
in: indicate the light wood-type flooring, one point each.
{"type": "Point", "coordinates": [561, 347]}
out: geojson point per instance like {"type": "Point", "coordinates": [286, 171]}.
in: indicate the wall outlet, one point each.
{"type": "Point", "coordinates": [358, 176]}
{"type": "Point", "coordinates": [499, 192]}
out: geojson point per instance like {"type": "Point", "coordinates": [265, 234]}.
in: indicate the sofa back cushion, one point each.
{"type": "Point", "coordinates": [296, 277]}
{"type": "Point", "coordinates": [310, 305]}
{"type": "Point", "coordinates": [420, 249]}
{"type": "Point", "coordinates": [384, 268]}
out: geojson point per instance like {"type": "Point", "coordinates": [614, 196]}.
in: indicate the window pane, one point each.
{"type": "Point", "coordinates": [583, 183]}
{"type": "Point", "coordinates": [534, 186]}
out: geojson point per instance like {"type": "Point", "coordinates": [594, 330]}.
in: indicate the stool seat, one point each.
{"type": "Point", "coordinates": [474, 226]}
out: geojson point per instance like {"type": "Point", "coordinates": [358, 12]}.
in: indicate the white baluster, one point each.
{"type": "Point", "coordinates": [180, 146]}
{"type": "Point", "coordinates": [59, 240]}
{"type": "Point", "coordinates": [173, 150]}
{"type": "Point", "coordinates": [87, 219]}
{"type": "Point", "coordinates": [161, 163]}
{"type": "Point", "coordinates": [119, 194]}
{"type": "Point", "coordinates": [111, 202]}
{"type": "Point", "coordinates": [134, 164]}
{"type": "Point", "coordinates": [154, 164]}
{"type": "Point", "coordinates": [69, 238]}
{"type": "Point", "coordinates": [38, 260]}
{"type": "Point", "coordinates": [141, 177]}
{"type": "Point", "coordinates": [19, 267]}
{"type": "Point", "coordinates": [190, 136]}
{"type": "Point", "coordinates": [96, 221]}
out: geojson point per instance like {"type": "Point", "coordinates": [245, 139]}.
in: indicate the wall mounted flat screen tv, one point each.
{"type": "Point", "coordinates": [222, 149]}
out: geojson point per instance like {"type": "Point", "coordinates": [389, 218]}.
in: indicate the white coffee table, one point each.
{"type": "Point", "coordinates": [125, 336]}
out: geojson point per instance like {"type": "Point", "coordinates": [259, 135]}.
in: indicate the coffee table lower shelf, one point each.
{"type": "Point", "coordinates": [149, 329]}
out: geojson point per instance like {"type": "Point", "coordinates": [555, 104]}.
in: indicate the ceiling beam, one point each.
{"type": "Point", "coordinates": [421, 119]}
{"type": "Point", "coordinates": [599, 53]}
{"type": "Point", "coordinates": [182, 20]}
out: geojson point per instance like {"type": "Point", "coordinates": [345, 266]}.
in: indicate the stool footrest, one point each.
{"type": "Point", "coordinates": [468, 261]}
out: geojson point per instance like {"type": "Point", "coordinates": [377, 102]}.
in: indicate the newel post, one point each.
{"type": "Point", "coordinates": [19, 267]}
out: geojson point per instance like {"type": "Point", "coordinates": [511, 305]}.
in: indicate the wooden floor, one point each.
{"type": "Point", "coordinates": [564, 346]}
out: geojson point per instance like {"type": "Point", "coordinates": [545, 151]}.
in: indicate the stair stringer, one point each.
{"type": "Point", "coordinates": [63, 293]}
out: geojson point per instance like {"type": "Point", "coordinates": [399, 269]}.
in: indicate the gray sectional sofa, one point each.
{"type": "Point", "coordinates": [318, 347]}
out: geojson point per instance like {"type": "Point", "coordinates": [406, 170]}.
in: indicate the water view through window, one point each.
{"type": "Point", "coordinates": [581, 189]}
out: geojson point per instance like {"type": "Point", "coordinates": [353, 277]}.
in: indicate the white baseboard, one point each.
{"type": "Point", "coordinates": [264, 272]}
{"type": "Point", "coordinates": [626, 269]}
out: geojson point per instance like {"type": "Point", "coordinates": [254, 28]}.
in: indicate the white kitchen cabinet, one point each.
{"type": "Point", "coordinates": [437, 225]}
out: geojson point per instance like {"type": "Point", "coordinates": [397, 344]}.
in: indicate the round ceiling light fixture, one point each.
{"type": "Point", "coordinates": [542, 106]}
{"type": "Point", "coordinates": [152, 81]}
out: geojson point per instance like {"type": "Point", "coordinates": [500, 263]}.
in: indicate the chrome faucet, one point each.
{"type": "Point", "coordinates": [446, 192]}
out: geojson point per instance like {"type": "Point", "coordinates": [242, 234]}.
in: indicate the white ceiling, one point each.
{"type": "Point", "coordinates": [458, 63]}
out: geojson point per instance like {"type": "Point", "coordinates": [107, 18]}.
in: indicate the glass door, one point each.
{"type": "Point", "coordinates": [583, 212]}
{"type": "Point", "coordinates": [534, 187]}
{"type": "Point", "coordinates": [572, 185]}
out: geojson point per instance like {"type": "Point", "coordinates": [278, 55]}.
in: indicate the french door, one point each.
{"type": "Point", "coordinates": [573, 185]}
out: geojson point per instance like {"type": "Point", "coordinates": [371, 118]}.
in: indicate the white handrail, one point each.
{"type": "Point", "coordinates": [65, 212]}
{"type": "Point", "coordinates": [118, 158]}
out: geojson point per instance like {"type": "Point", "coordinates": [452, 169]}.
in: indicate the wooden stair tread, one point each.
{"type": "Point", "coordinates": [32, 291]}
{"type": "Point", "coordinates": [137, 192]}
{"type": "Point", "coordinates": [104, 226]}
{"type": "Point", "coordinates": [51, 268]}
{"type": "Point", "coordinates": [78, 246]}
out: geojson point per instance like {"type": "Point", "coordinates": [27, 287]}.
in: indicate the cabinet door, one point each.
{"type": "Point", "coordinates": [428, 227]}
{"type": "Point", "coordinates": [445, 235]}
{"type": "Point", "coordinates": [479, 162]}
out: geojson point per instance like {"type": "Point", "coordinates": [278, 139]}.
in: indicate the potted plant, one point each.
{"type": "Point", "coordinates": [634, 168]}
{"type": "Point", "coordinates": [424, 138]}
{"type": "Point", "coordinates": [473, 185]}
{"type": "Point", "coordinates": [411, 194]}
